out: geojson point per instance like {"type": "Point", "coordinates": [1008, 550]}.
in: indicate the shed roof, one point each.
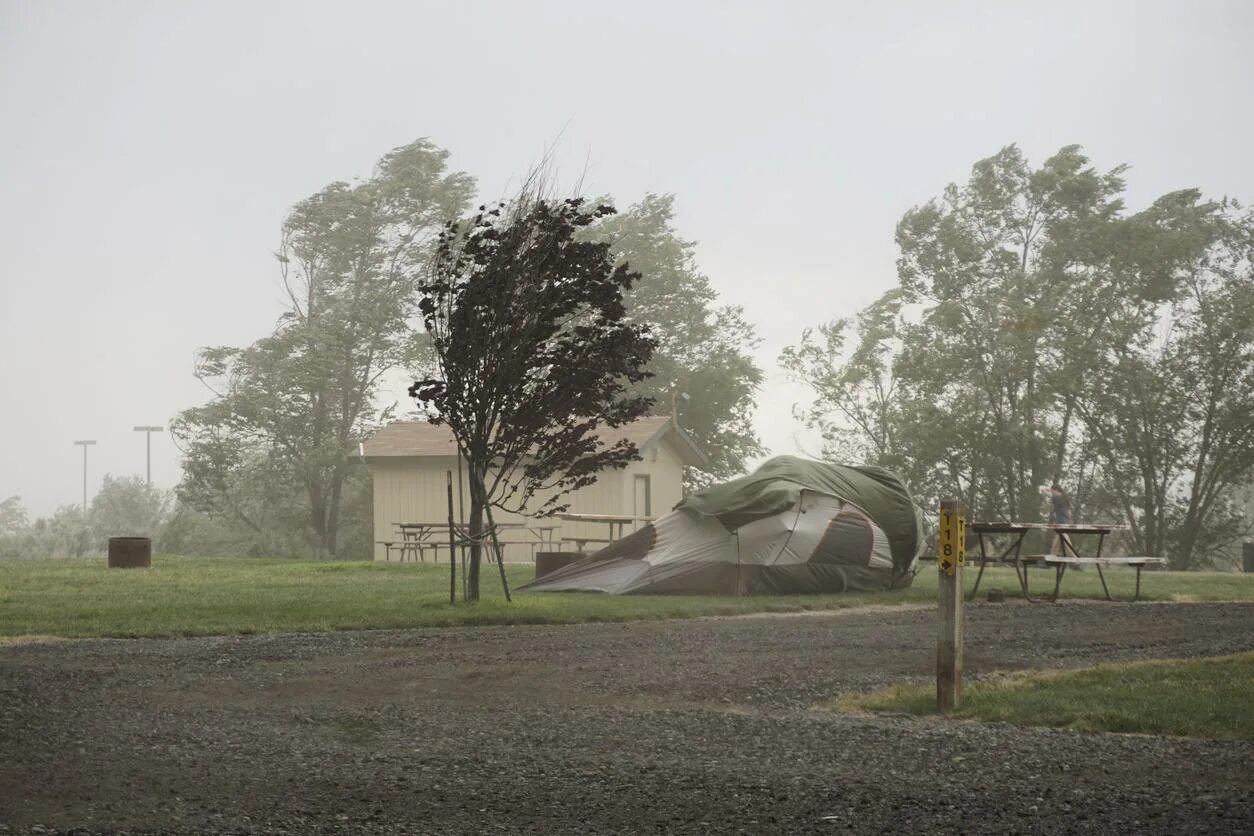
{"type": "Point", "coordinates": [419, 438]}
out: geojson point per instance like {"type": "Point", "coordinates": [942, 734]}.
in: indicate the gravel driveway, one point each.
{"type": "Point", "coordinates": [680, 726]}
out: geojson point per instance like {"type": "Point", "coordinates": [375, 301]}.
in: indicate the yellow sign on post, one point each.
{"type": "Point", "coordinates": [951, 556]}
{"type": "Point", "coordinates": [952, 543]}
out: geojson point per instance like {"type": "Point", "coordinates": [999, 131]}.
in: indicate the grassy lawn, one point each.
{"type": "Point", "coordinates": [1181, 587]}
{"type": "Point", "coordinates": [184, 596]}
{"type": "Point", "coordinates": [1199, 698]}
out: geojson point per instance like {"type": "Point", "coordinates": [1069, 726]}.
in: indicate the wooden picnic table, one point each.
{"type": "Point", "coordinates": [1016, 531]}
{"type": "Point", "coordinates": [616, 523]}
{"type": "Point", "coordinates": [416, 537]}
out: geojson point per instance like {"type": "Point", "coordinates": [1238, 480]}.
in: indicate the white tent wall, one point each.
{"type": "Point", "coordinates": [685, 544]}
{"type": "Point", "coordinates": [793, 526]}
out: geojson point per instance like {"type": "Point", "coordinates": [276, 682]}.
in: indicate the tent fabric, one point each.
{"type": "Point", "coordinates": [777, 485]}
{"type": "Point", "coordinates": [793, 526]}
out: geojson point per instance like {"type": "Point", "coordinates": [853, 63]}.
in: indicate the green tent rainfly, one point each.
{"type": "Point", "coordinates": [792, 526]}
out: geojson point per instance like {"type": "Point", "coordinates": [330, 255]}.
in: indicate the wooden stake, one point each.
{"type": "Point", "coordinates": [452, 544]}
{"type": "Point", "coordinates": [500, 557]}
{"type": "Point", "coordinates": [950, 559]}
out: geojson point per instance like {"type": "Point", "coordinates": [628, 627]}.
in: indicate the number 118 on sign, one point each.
{"type": "Point", "coordinates": [951, 544]}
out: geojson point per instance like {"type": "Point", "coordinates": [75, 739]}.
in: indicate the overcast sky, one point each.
{"type": "Point", "coordinates": [149, 151]}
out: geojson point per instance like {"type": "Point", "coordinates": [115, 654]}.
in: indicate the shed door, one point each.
{"type": "Point", "coordinates": [642, 501]}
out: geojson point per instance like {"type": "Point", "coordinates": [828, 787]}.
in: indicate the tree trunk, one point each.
{"type": "Point", "coordinates": [332, 535]}
{"type": "Point", "coordinates": [1060, 455]}
{"type": "Point", "coordinates": [476, 533]}
{"type": "Point", "coordinates": [1029, 502]}
{"type": "Point", "coordinates": [317, 516]}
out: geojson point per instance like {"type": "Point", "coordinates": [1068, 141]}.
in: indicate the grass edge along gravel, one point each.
{"type": "Point", "coordinates": [1207, 698]}
{"type": "Point", "coordinates": [189, 596]}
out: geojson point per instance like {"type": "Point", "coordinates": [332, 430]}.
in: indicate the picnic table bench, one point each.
{"type": "Point", "coordinates": [417, 537]}
{"type": "Point", "coordinates": [1058, 562]}
{"type": "Point", "coordinates": [617, 525]}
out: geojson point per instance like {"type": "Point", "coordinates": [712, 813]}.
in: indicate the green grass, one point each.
{"type": "Point", "coordinates": [187, 596]}
{"type": "Point", "coordinates": [184, 596]}
{"type": "Point", "coordinates": [1199, 698]}
{"type": "Point", "coordinates": [1180, 587]}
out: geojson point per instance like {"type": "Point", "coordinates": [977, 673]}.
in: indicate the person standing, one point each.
{"type": "Point", "coordinates": [1059, 514]}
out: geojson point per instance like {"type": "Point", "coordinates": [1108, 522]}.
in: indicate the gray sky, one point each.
{"type": "Point", "coordinates": [150, 150]}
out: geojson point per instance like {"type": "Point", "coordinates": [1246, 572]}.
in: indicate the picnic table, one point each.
{"type": "Point", "coordinates": [413, 538]}
{"type": "Point", "coordinates": [417, 537]}
{"type": "Point", "coordinates": [615, 522]}
{"type": "Point", "coordinates": [1012, 553]}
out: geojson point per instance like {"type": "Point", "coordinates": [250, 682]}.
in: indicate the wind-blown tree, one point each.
{"type": "Point", "coordinates": [966, 385]}
{"type": "Point", "coordinates": [13, 518]}
{"type": "Point", "coordinates": [14, 529]}
{"type": "Point", "coordinates": [856, 402]}
{"type": "Point", "coordinates": [126, 506]}
{"type": "Point", "coordinates": [1177, 444]}
{"type": "Point", "coordinates": [1011, 350]}
{"type": "Point", "coordinates": [295, 404]}
{"type": "Point", "coordinates": [534, 351]}
{"type": "Point", "coordinates": [703, 348]}
{"type": "Point", "coordinates": [63, 534]}
{"type": "Point", "coordinates": [238, 494]}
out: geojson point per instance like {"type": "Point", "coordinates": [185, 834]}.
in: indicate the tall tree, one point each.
{"type": "Point", "coordinates": [13, 519]}
{"type": "Point", "coordinates": [985, 271]}
{"type": "Point", "coordinates": [1178, 442]}
{"type": "Point", "coordinates": [298, 401]}
{"type": "Point", "coordinates": [534, 352]}
{"type": "Point", "coordinates": [703, 367]}
{"type": "Point", "coordinates": [1023, 343]}
{"type": "Point", "coordinates": [127, 506]}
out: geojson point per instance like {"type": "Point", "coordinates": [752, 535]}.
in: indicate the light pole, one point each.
{"type": "Point", "coordinates": [84, 445]}
{"type": "Point", "coordinates": [148, 431]}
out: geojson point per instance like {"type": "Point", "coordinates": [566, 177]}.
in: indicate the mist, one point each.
{"type": "Point", "coordinates": [152, 150]}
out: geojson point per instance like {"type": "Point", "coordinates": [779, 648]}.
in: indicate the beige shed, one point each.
{"type": "Point", "coordinates": [409, 461]}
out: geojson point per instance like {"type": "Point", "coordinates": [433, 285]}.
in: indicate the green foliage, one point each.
{"type": "Point", "coordinates": [1040, 332]}
{"type": "Point", "coordinates": [128, 507]}
{"type": "Point", "coordinates": [272, 451]}
{"type": "Point", "coordinates": [1180, 435]}
{"type": "Point", "coordinates": [123, 507]}
{"type": "Point", "coordinates": [13, 519]}
{"type": "Point", "coordinates": [1199, 698]}
{"type": "Point", "coordinates": [534, 352]}
{"type": "Point", "coordinates": [703, 348]}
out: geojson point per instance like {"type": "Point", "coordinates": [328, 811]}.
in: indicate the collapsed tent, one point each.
{"type": "Point", "coordinates": [792, 526]}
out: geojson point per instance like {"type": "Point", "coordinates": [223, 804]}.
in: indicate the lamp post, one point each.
{"type": "Point", "coordinates": [148, 431]}
{"type": "Point", "coordinates": [85, 444]}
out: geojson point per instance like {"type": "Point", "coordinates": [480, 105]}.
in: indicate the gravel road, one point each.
{"type": "Point", "coordinates": [682, 726]}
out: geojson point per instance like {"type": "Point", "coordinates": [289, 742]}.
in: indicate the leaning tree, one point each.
{"type": "Point", "coordinates": [274, 450]}
{"type": "Point", "coordinates": [534, 351]}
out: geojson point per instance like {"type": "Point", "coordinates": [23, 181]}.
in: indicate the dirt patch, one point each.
{"type": "Point", "coordinates": [681, 726]}
{"type": "Point", "coordinates": [9, 641]}
{"type": "Point", "coordinates": [851, 611]}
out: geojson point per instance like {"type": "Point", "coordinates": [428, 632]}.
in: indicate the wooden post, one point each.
{"type": "Point", "coordinates": [500, 556]}
{"type": "Point", "coordinates": [950, 558]}
{"type": "Point", "coordinates": [452, 543]}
